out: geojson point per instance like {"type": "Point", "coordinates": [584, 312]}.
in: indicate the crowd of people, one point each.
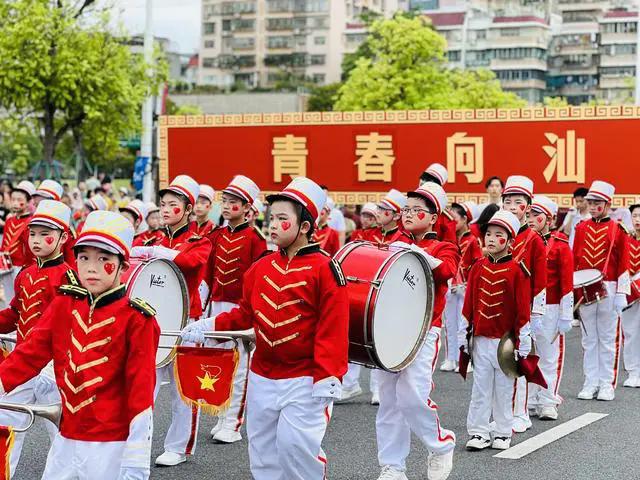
{"type": "Point", "coordinates": [508, 268]}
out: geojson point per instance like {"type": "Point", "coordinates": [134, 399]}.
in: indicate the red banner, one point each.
{"type": "Point", "coordinates": [7, 436]}
{"type": "Point", "coordinates": [362, 154]}
{"type": "Point", "coordinates": [204, 376]}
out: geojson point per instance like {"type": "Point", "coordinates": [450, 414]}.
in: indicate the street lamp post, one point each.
{"type": "Point", "coordinates": [146, 150]}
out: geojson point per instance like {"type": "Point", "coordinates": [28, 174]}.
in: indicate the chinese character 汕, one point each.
{"type": "Point", "coordinates": [567, 158]}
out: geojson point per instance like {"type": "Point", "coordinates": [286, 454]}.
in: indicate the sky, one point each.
{"type": "Point", "coordinates": [178, 20]}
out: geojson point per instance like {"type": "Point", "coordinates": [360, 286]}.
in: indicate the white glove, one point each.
{"type": "Point", "coordinates": [564, 325]}
{"type": "Point", "coordinates": [432, 261]}
{"type": "Point", "coordinates": [142, 252]}
{"type": "Point", "coordinates": [536, 323]}
{"type": "Point", "coordinates": [524, 349]}
{"type": "Point", "coordinates": [619, 302]}
{"type": "Point", "coordinates": [462, 340]}
{"type": "Point", "coordinates": [164, 253]}
{"type": "Point", "coordinates": [195, 331]}
{"type": "Point", "coordinates": [134, 473]}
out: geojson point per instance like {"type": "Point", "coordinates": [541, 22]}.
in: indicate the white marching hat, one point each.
{"type": "Point", "coordinates": [432, 192]}
{"type": "Point", "coordinates": [330, 205]}
{"type": "Point", "coordinates": [370, 208]}
{"type": "Point", "coordinates": [601, 191]}
{"type": "Point", "coordinates": [108, 231]}
{"type": "Point", "coordinates": [185, 186]}
{"type": "Point", "coordinates": [257, 206]}
{"type": "Point", "coordinates": [52, 214]}
{"type": "Point", "coordinates": [543, 204]}
{"type": "Point", "coordinates": [151, 207]}
{"type": "Point", "coordinates": [506, 220]}
{"type": "Point", "coordinates": [243, 187]}
{"type": "Point", "coordinates": [518, 185]}
{"type": "Point", "coordinates": [207, 192]}
{"type": "Point", "coordinates": [471, 210]}
{"type": "Point", "coordinates": [50, 189]}
{"type": "Point", "coordinates": [97, 202]}
{"type": "Point", "coordinates": [27, 187]}
{"type": "Point", "coordinates": [438, 171]}
{"type": "Point", "coordinates": [394, 200]}
{"type": "Point", "coordinates": [306, 192]}
{"type": "Point", "coordinates": [137, 207]}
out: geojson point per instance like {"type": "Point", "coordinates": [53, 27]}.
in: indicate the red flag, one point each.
{"type": "Point", "coordinates": [529, 368]}
{"type": "Point", "coordinates": [463, 363]}
{"type": "Point", "coordinates": [204, 377]}
{"type": "Point", "coordinates": [6, 444]}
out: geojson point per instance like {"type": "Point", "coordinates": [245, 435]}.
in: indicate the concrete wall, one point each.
{"type": "Point", "coordinates": [269, 102]}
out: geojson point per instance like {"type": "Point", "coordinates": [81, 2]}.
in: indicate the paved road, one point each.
{"type": "Point", "coordinates": [606, 449]}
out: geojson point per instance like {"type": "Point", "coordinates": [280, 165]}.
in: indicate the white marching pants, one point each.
{"type": "Point", "coordinates": [405, 407]}
{"type": "Point", "coordinates": [233, 417]}
{"type": "Point", "coordinates": [285, 427]}
{"type": "Point", "coordinates": [491, 394]}
{"type": "Point", "coordinates": [601, 341]}
{"type": "Point", "coordinates": [453, 322]}
{"type": "Point", "coordinates": [78, 460]}
{"type": "Point", "coordinates": [8, 284]}
{"type": "Point", "coordinates": [352, 378]}
{"type": "Point", "coordinates": [40, 390]}
{"type": "Point", "coordinates": [631, 330]}
{"type": "Point", "coordinates": [182, 435]}
{"type": "Point", "coordinates": [551, 360]}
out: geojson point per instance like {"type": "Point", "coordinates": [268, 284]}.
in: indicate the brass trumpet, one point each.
{"type": "Point", "coordinates": [53, 413]}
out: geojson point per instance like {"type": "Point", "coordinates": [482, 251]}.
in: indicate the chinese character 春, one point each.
{"type": "Point", "coordinates": [465, 155]}
{"type": "Point", "coordinates": [289, 157]}
{"type": "Point", "coordinates": [567, 158]}
{"type": "Point", "coordinates": [376, 157]}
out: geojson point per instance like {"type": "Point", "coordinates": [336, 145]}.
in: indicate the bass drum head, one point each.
{"type": "Point", "coordinates": [161, 285]}
{"type": "Point", "coordinates": [403, 311]}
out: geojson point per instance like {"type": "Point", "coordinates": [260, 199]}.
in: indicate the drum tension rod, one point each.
{"type": "Point", "coordinates": [375, 283]}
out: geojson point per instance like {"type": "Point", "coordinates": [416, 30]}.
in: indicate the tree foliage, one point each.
{"type": "Point", "coordinates": [323, 97]}
{"type": "Point", "coordinates": [405, 68]}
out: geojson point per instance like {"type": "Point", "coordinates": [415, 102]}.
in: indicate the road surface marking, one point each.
{"type": "Point", "coordinates": [545, 438]}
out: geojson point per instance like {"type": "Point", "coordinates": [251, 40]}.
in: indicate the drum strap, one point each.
{"type": "Point", "coordinates": [523, 249]}
{"type": "Point", "coordinates": [612, 239]}
{"type": "Point", "coordinates": [459, 278]}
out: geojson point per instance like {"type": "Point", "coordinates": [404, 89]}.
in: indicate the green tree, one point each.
{"type": "Point", "coordinates": [20, 147]}
{"type": "Point", "coordinates": [323, 97]}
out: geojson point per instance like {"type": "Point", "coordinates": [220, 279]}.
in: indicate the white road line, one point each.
{"type": "Point", "coordinates": [551, 435]}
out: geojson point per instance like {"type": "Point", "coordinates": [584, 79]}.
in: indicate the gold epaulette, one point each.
{"type": "Point", "coordinates": [143, 306]}
{"type": "Point", "coordinates": [624, 228]}
{"type": "Point", "coordinates": [524, 268]}
{"type": "Point", "coordinates": [72, 276]}
{"type": "Point", "coordinates": [337, 272]}
{"type": "Point", "coordinates": [149, 241]}
{"type": "Point", "coordinates": [194, 238]}
{"type": "Point", "coordinates": [75, 290]}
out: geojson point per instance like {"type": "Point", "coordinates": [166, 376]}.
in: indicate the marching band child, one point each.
{"type": "Point", "coordinates": [445, 228]}
{"type": "Point", "coordinates": [324, 235]}
{"type": "Point", "coordinates": [135, 211]}
{"type": "Point", "coordinates": [103, 347]}
{"type": "Point", "coordinates": [236, 247]}
{"type": "Point", "coordinates": [497, 301]}
{"type": "Point", "coordinates": [154, 234]}
{"type": "Point", "coordinates": [631, 314]}
{"type": "Point", "coordinates": [470, 252]}
{"type": "Point", "coordinates": [295, 300]}
{"type": "Point", "coordinates": [603, 244]}
{"type": "Point", "coordinates": [203, 226]}
{"type": "Point", "coordinates": [405, 403]}
{"type": "Point", "coordinates": [549, 333]}
{"type": "Point", "coordinates": [254, 213]}
{"type": "Point", "coordinates": [36, 286]}
{"type": "Point", "coordinates": [367, 220]}
{"type": "Point", "coordinates": [189, 252]}
{"type": "Point", "coordinates": [95, 203]}
{"type": "Point", "coordinates": [528, 250]}
{"type": "Point", "coordinates": [387, 217]}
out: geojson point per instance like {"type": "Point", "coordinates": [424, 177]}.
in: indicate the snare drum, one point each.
{"type": "Point", "coordinates": [588, 287]}
{"type": "Point", "coordinates": [390, 303]}
{"type": "Point", "coordinates": [159, 283]}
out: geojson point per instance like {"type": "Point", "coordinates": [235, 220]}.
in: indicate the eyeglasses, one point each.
{"type": "Point", "coordinates": [413, 211]}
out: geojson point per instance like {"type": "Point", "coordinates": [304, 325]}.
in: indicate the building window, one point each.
{"type": "Point", "coordinates": [454, 55]}
{"type": "Point", "coordinates": [243, 42]}
{"type": "Point", "coordinates": [279, 42]}
{"type": "Point", "coordinates": [209, 62]}
{"type": "Point", "coordinates": [621, 27]}
{"type": "Point", "coordinates": [318, 59]}
{"type": "Point", "coordinates": [226, 25]}
{"type": "Point", "coordinates": [318, 77]}
{"type": "Point", "coordinates": [210, 28]}
{"type": "Point", "coordinates": [279, 6]}
{"type": "Point", "coordinates": [510, 75]}
{"type": "Point", "coordinates": [209, 44]}
{"type": "Point", "coordinates": [319, 40]}
{"type": "Point", "coordinates": [481, 34]}
{"type": "Point", "coordinates": [279, 24]}
{"type": "Point", "coordinates": [510, 32]}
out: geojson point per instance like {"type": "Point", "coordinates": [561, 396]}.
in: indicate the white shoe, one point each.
{"type": "Point", "coordinates": [575, 322]}
{"type": "Point", "coordinates": [448, 366]}
{"type": "Point", "coordinates": [470, 368]}
{"type": "Point", "coordinates": [521, 424]}
{"type": "Point", "coordinates": [548, 412]}
{"type": "Point", "coordinates": [632, 382]}
{"type": "Point", "coordinates": [533, 411]}
{"type": "Point", "coordinates": [606, 394]}
{"type": "Point", "coordinates": [501, 443]}
{"type": "Point", "coordinates": [390, 473]}
{"type": "Point", "coordinates": [171, 459]}
{"type": "Point", "coordinates": [224, 435]}
{"type": "Point", "coordinates": [588, 393]}
{"type": "Point", "coordinates": [476, 443]}
{"type": "Point", "coordinates": [217, 427]}
{"type": "Point", "coordinates": [375, 398]}
{"type": "Point", "coordinates": [439, 466]}
{"type": "Point", "coordinates": [349, 393]}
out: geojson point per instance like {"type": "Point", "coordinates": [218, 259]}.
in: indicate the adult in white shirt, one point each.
{"type": "Point", "coordinates": [494, 186]}
{"type": "Point", "coordinates": [579, 212]}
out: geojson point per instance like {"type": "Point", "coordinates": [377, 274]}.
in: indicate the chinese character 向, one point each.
{"type": "Point", "coordinates": [289, 157]}
{"type": "Point", "coordinates": [465, 155]}
{"type": "Point", "coordinates": [567, 158]}
{"type": "Point", "coordinates": [376, 157]}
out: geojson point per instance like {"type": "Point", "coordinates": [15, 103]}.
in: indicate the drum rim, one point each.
{"type": "Point", "coordinates": [185, 301]}
{"type": "Point", "coordinates": [600, 278]}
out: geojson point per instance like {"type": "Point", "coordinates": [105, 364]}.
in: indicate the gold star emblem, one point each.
{"type": "Point", "coordinates": [207, 382]}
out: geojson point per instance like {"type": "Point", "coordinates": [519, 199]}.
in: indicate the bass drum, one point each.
{"type": "Point", "coordinates": [159, 283]}
{"type": "Point", "coordinates": [390, 303]}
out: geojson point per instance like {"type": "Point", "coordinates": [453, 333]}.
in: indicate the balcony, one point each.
{"type": "Point", "coordinates": [518, 64]}
{"type": "Point", "coordinates": [523, 84]}
{"type": "Point", "coordinates": [616, 38]}
{"type": "Point", "coordinates": [616, 81]}
{"type": "Point", "coordinates": [617, 60]}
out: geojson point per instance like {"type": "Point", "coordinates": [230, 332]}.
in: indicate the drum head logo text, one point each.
{"type": "Point", "coordinates": [157, 280]}
{"type": "Point", "coordinates": [410, 279]}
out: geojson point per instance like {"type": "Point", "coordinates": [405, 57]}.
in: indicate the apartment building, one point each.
{"type": "Point", "coordinates": [617, 68]}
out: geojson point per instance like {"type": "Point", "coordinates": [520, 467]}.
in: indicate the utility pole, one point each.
{"type": "Point", "coordinates": [146, 149]}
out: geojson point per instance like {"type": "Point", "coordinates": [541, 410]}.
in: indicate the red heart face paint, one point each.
{"type": "Point", "coordinates": [285, 225]}
{"type": "Point", "coordinates": [109, 268]}
{"type": "Point", "coordinates": [235, 208]}
{"type": "Point", "coordinates": [176, 210]}
{"type": "Point", "coordinates": [421, 215]}
{"type": "Point", "coordinates": [522, 207]}
{"type": "Point", "coordinates": [540, 220]}
{"type": "Point", "coordinates": [49, 240]}
{"type": "Point", "coordinates": [599, 208]}
{"type": "Point", "coordinates": [502, 241]}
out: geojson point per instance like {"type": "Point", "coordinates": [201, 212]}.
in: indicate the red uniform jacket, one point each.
{"type": "Point", "coordinates": [191, 260]}
{"type": "Point", "coordinates": [327, 238]}
{"type": "Point", "coordinates": [103, 353]}
{"type": "Point", "coordinates": [361, 233]}
{"type": "Point", "coordinates": [15, 240]}
{"type": "Point", "coordinates": [498, 298]}
{"type": "Point", "coordinates": [559, 268]}
{"type": "Point", "coordinates": [594, 241]}
{"type": "Point", "coordinates": [448, 254]}
{"type": "Point", "coordinates": [35, 287]}
{"type": "Point", "coordinates": [634, 255]}
{"type": "Point", "coordinates": [204, 229]}
{"type": "Point", "coordinates": [300, 312]}
{"type": "Point", "coordinates": [235, 251]}
{"type": "Point", "coordinates": [530, 252]}
{"type": "Point", "coordinates": [386, 237]}
{"type": "Point", "coordinates": [445, 228]}
{"type": "Point", "coordinates": [148, 238]}
{"type": "Point", "coordinates": [470, 252]}
{"type": "Point", "coordinates": [67, 249]}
